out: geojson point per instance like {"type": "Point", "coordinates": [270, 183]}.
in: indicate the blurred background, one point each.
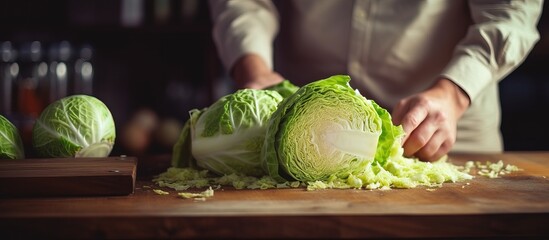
{"type": "Point", "coordinates": [151, 61]}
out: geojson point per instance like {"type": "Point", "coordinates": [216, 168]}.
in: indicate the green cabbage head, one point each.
{"type": "Point", "coordinates": [227, 137]}
{"type": "Point", "coordinates": [11, 145]}
{"type": "Point", "coordinates": [74, 126]}
{"type": "Point", "coordinates": [328, 129]}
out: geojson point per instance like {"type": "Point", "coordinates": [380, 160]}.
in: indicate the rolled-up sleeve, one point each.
{"type": "Point", "coordinates": [501, 36]}
{"type": "Point", "coordinates": [244, 26]}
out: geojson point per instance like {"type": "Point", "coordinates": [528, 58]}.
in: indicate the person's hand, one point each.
{"type": "Point", "coordinates": [251, 71]}
{"type": "Point", "coordinates": [430, 119]}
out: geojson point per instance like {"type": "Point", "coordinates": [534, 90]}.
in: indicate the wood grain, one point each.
{"type": "Point", "coordinates": [68, 176]}
{"type": "Point", "coordinates": [516, 205]}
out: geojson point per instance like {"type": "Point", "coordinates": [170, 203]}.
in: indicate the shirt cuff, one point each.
{"type": "Point", "coordinates": [469, 74]}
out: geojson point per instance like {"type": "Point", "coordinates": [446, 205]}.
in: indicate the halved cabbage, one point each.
{"type": "Point", "coordinates": [326, 128]}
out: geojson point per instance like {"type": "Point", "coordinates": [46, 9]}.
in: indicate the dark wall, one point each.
{"type": "Point", "coordinates": [525, 97]}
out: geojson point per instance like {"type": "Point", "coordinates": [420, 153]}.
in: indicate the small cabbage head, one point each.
{"type": "Point", "coordinates": [327, 129]}
{"type": "Point", "coordinates": [74, 126]}
{"type": "Point", "coordinates": [227, 137]}
{"type": "Point", "coordinates": [11, 145]}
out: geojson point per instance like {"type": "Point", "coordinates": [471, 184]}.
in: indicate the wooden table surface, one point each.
{"type": "Point", "coordinates": [515, 205]}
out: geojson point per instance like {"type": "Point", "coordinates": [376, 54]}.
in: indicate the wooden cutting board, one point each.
{"type": "Point", "coordinates": [68, 177]}
{"type": "Point", "coordinates": [515, 205]}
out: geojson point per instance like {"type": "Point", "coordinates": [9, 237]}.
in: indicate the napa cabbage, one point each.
{"type": "Point", "coordinates": [227, 136]}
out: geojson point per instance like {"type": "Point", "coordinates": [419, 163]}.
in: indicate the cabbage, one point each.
{"type": "Point", "coordinates": [74, 126]}
{"type": "Point", "coordinates": [326, 128]}
{"type": "Point", "coordinates": [324, 135]}
{"type": "Point", "coordinates": [11, 145]}
{"type": "Point", "coordinates": [285, 88]}
{"type": "Point", "coordinates": [227, 137]}
{"type": "Point", "coordinates": [181, 152]}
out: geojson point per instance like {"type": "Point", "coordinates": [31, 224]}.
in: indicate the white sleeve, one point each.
{"type": "Point", "coordinates": [244, 26]}
{"type": "Point", "coordinates": [498, 41]}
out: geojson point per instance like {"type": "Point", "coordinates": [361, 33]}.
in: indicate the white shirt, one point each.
{"type": "Point", "coordinates": [390, 48]}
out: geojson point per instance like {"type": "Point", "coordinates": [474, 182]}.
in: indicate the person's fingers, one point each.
{"type": "Point", "coordinates": [439, 134]}
{"type": "Point", "coordinates": [435, 148]}
{"type": "Point", "coordinates": [412, 119]}
{"type": "Point", "coordinates": [420, 137]}
{"type": "Point", "coordinates": [398, 111]}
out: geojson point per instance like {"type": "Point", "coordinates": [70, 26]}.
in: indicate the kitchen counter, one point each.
{"type": "Point", "coordinates": [514, 205]}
